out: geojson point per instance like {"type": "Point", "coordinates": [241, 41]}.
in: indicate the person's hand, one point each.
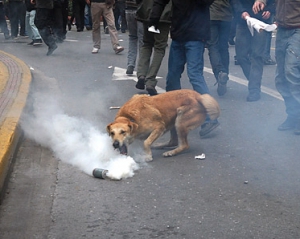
{"type": "Point", "coordinates": [266, 15]}
{"type": "Point", "coordinates": [244, 15]}
{"type": "Point", "coordinates": [153, 22]}
{"type": "Point", "coordinates": [257, 7]}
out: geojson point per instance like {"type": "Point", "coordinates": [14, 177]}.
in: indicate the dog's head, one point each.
{"type": "Point", "coordinates": [121, 131]}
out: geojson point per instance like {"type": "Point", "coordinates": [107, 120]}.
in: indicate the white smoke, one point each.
{"type": "Point", "coordinates": [74, 140]}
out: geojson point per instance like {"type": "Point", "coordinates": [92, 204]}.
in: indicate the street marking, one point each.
{"type": "Point", "coordinates": [240, 81]}
{"type": "Point", "coordinates": [120, 74]}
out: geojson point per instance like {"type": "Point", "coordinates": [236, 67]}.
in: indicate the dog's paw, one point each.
{"type": "Point", "coordinates": [148, 158]}
{"type": "Point", "coordinates": [168, 153]}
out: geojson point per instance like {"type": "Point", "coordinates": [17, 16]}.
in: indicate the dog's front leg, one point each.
{"type": "Point", "coordinates": [149, 141]}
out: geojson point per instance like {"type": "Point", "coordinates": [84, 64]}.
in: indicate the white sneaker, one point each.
{"type": "Point", "coordinates": [95, 50]}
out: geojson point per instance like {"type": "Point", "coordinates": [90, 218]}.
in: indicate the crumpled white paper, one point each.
{"type": "Point", "coordinates": [259, 25]}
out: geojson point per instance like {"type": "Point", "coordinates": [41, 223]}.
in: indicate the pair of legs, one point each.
{"type": "Point", "coordinates": [98, 10]}
{"type": "Point", "coordinates": [31, 29]}
{"type": "Point", "coordinates": [218, 52]}
{"type": "Point", "coordinates": [44, 23]}
{"type": "Point", "coordinates": [152, 53]}
{"type": "Point", "coordinates": [135, 29]}
{"type": "Point", "coordinates": [17, 14]}
{"type": "Point", "coordinates": [249, 53]}
{"type": "Point", "coordinates": [287, 78]}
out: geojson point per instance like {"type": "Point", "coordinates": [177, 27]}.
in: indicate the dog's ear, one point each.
{"type": "Point", "coordinates": [108, 128]}
{"type": "Point", "coordinates": [133, 126]}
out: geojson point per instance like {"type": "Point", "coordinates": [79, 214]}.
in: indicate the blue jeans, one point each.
{"type": "Point", "coordinates": [31, 29]}
{"type": "Point", "coordinates": [218, 46]}
{"type": "Point", "coordinates": [135, 29]}
{"type": "Point", "coordinates": [249, 53]}
{"type": "Point", "coordinates": [190, 53]}
{"type": "Point", "coordinates": [287, 78]}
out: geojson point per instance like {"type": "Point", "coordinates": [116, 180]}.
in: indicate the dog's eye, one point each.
{"type": "Point", "coordinates": [122, 132]}
{"type": "Point", "coordinates": [112, 133]}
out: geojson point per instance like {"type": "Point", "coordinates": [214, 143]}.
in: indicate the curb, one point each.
{"type": "Point", "coordinates": [15, 82]}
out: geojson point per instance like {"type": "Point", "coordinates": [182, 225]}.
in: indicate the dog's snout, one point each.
{"type": "Point", "coordinates": [116, 144]}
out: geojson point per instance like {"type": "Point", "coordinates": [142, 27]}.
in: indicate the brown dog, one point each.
{"type": "Point", "coordinates": [149, 117]}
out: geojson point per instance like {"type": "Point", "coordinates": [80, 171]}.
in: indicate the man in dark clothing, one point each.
{"type": "Point", "coordinates": [250, 49]}
{"type": "Point", "coordinates": [190, 29]}
{"type": "Point", "coordinates": [44, 22]}
{"type": "Point", "coordinates": [3, 24]}
{"type": "Point", "coordinates": [17, 14]}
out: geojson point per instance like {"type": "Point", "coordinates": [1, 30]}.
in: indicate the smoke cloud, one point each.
{"type": "Point", "coordinates": [73, 140]}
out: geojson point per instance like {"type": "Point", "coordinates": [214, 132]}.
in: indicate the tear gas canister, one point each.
{"type": "Point", "coordinates": [100, 173]}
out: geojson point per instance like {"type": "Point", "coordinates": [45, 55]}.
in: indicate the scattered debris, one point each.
{"type": "Point", "coordinates": [201, 156]}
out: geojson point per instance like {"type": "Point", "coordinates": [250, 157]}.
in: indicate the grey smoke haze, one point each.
{"type": "Point", "coordinates": [73, 140]}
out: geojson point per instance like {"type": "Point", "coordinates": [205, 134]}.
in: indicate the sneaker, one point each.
{"type": "Point", "coordinates": [207, 127]}
{"type": "Point", "coordinates": [269, 62]}
{"type": "Point", "coordinates": [151, 90]}
{"type": "Point", "coordinates": [31, 43]}
{"type": "Point", "coordinates": [95, 50]}
{"type": "Point", "coordinates": [129, 70]}
{"type": "Point", "coordinates": [288, 124]}
{"type": "Point", "coordinates": [37, 42]}
{"type": "Point", "coordinates": [140, 83]}
{"type": "Point", "coordinates": [6, 36]}
{"type": "Point", "coordinates": [106, 31]}
{"type": "Point", "coordinates": [51, 49]}
{"type": "Point", "coordinates": [119, 49]}
{"type": "Point", "coordinates": [222, 83]}
{"type": "Point", "coordinates": [253, 97]}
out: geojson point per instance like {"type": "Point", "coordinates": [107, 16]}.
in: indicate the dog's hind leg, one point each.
{"type": "Point", "coordinates": [181, 131]}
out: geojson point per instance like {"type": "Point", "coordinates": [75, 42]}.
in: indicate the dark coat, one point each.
{"type": "Point", "coordinates": [190, 19]}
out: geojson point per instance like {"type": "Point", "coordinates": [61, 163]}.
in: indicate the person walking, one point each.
{"type": "Point", "coordinates": [190, 30]}
{"type": "Point", "coordinates": [104, 8]}
{"type": "Point", "coordinates": [31, 29]}
{"type": "Point", "coordinates": [287, 52]}
{"type": "Point", "coordinates": [154, 45]}
{"type": "Point", "coordinates": [135, 30]}
{"type": "Point", "coordinates": [44, 23]}
{"type": "Point", "coordinates": [250, 48]}
{"type": "Point", "coordinates": [220, 25]}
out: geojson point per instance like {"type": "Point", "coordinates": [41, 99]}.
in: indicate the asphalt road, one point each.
{"type": "Point", "coordinates": [247, 186]}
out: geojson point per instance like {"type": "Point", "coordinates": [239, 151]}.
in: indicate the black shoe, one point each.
{"type": "Point", "coordinates": [106, 31]}
{"type": "Point", "coordinates": [80, 30]}
{"type": "Point", "coordinates": [269, 62]}
{"type": "Point", "coordinates": [253, 97]}
{"type": "Point", "coordinates": [140, 83]}
{"type": "Point", "coordinates": [88, 28]}
{"type": "Point", "coordinates": [288, 124]}
{"type": "Point", "coordinates": [37, 42]}
{"type": "Point", "coordinates": [51, 50]}
{"type": "Point", "coordinates": [6, 36]}
{"type": "Point", "coordinates": [31, 43]}
{"type": "Point", "coordinates": [129, 70]}
{"type": "Point", "coordinates": [151, 90]}
{"type": "Point", "coordinates": [207, 127]}
{"type": "Point", "coordinates": [222, 83]}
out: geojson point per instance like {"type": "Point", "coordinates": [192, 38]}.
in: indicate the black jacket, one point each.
{"type": "Point", "coordinates": [29, 6]}
{"type": "Point", "coordinates": [190, 19]}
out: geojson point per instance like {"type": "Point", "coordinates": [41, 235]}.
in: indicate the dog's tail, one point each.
{"type": "Point", "coordinates": [211, 105]}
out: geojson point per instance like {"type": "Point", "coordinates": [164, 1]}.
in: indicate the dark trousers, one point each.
{"type": "Point", "coordinates": [17, 13]}
{"type": "Point", "coordinates": [3, 24]}
{"type": "Point", "coordinates": [119, 11]}
{"type": "Point", "coordinates": [78, 7]}
{"type": "Point", "coordinates": [44, 23]}
{"type": "Point", "coordinates": [249, 53]}
{"type": "Point", "coordinates": [218, 46]}
{"type": "Point", "coordinates": [58, 24]}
